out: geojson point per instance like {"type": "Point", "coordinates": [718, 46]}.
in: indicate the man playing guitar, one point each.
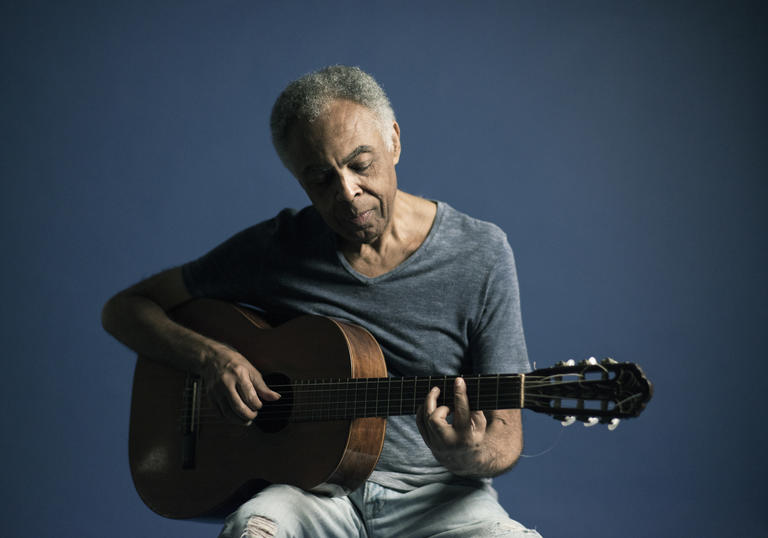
{"type": "Point", "coordinates": [436, 288]}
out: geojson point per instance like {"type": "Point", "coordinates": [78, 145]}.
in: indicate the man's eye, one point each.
{"type": "Point", "coordinates": [320, 178]}
{"type": "Point", "coordinates": [361, 167]}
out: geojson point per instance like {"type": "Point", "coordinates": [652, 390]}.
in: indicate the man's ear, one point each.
{"type": "Point", "coordinates": [396, 143]}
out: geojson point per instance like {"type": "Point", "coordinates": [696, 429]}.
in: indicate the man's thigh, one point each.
{"type": "Point", "coordinates": [282, 511]}
{"type": "Point", "coordinates": [438, 510]}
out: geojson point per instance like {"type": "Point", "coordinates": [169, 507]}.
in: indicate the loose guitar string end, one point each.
{"type": "Point", "coordinates": [568, 421]}
{"type": "Point", "coordinates": [613, 424]}
{"type": "Point", "coordinates": [591, 421]}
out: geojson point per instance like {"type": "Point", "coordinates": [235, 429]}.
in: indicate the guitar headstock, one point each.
{"type": "Point", "coordinates": [589, 391]}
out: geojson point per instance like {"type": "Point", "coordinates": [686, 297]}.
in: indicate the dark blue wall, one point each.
{"type": "Point", "coordinates": [622, 146]}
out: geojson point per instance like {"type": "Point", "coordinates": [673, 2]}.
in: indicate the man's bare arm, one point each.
{"type": "Point", "coordinates": [137, 316]}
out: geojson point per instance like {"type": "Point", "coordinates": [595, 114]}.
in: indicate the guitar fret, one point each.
{"type": "Point", "coordinates": [445, 390]}
{"type": "Point", "coordinates": [356, 397]}
{"type": "Point", "coordinates": [333, 401]}
{"type": "Point", "coordinates": [379, 400]}
{"type": "Point", "coordinates": [364, 406]}
{"type": "Point", "coordinates": [322, 405]}
{"type": "Point", "coordinates": [338, 398]}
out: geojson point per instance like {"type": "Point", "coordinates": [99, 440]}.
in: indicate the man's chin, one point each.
{"type": "Point", "coordinates": [365, 236]}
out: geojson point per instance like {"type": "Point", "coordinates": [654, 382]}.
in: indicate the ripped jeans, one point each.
{"type": "Point", "coordinates": [373, 511]}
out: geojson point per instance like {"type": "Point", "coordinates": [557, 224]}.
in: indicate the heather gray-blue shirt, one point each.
{"type": "Point", "coordinates": [450, 308]}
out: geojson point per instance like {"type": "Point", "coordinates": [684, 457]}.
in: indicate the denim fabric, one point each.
{"type": "Point", "coordinates": [374, 511]}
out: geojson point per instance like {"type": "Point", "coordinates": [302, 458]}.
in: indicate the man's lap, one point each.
{"type": "Point", "coordinates": [435, 510]}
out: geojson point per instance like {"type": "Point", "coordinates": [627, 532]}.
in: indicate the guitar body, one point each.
{"type": "Point", "coordinates": [188, 462]}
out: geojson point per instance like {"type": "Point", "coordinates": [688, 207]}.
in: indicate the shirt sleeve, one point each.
{"type": "Point", "coordinates": [497, 344]}
{"type": "Point", "coordinates": [232, 270]}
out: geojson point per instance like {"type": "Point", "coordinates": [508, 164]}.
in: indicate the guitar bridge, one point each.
{"type": "Point", "coordinates": [191, 420]}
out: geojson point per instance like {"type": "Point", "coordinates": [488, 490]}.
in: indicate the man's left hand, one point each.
{"type": "Point", "coordinates": [458, 446]}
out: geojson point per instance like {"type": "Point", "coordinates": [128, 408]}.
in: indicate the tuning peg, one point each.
{"type": "Point", "coordinates": [591, 421]}
{"type": "Point", "coordinates": [568, 421]}
{"type": "Point", "coordinates": [591, 361]}
{"type": "Point", "coordinates": [608, 360]}
{"type": "Point", "coordinates": [613, 424]}
{"type": "Point", "coordinates": [570, 362]}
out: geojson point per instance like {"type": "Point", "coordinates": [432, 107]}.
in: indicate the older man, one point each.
{"type": "Point", "coordinates": [436, 288]}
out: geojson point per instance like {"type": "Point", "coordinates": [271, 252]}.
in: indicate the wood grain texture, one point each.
{"type": "Point", "coordinates": [233, 462]}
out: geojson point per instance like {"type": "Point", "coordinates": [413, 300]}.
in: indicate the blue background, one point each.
{"type": "Point", "coordinates": [621, 145]}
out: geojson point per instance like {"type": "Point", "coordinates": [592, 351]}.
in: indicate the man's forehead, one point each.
{"type": "Point", "coordinates": [343, 131]}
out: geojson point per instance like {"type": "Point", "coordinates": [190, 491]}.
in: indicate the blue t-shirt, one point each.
{"type": "Point", "coordinates": [450, 308]}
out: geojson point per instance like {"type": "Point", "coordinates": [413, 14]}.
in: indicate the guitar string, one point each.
{"type": "Point", "coordinates": [302, 412]}
{"type": "Point", "coordinates": [426, 378]}
{"type": "Point", "coordinates": [318, 416]}
{"type": "Point", "coordinates": [375, 406]}
{"type": "Point", "coordinates": [343, 383]}
{"type": "Point", "coordinates": [371, 394]}
{"type": "Point", "coordinates": [311, 392]}
{"type": "Point", "coordinates": [546, 450]}
{"type": "Point", "coordinates": [333, 409]}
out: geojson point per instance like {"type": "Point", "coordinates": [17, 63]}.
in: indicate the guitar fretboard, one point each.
{"type": "Point", "coordinates": [345, 399]}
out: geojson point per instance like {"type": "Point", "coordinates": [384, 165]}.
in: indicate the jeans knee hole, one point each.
{"type": "Point", "coordinates": [259, 527]}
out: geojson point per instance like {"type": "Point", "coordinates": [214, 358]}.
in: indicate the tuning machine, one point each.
{"type": "Point", "coordinates": [591, 421]}
{"type": "Point", "coordinates": [611, 425]}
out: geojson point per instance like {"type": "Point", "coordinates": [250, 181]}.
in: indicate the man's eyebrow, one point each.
{"type": "Point", "coordinates": [357, 151]}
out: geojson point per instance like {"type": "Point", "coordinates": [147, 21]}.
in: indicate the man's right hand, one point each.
{"type": "Point", "coordinates": [138, 317]}
{"type": "Point", "coordinates": [234, 385]}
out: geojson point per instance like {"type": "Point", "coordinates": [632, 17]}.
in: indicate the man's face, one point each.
{"type": "Point", "coordinates": [343, 164]}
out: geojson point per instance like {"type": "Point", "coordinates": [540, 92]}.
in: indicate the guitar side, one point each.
{"type": "Point", "coordinates": [187, 466]}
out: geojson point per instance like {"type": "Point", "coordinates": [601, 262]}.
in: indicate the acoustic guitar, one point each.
{"type": "Point", "coordinates": [326, 432]}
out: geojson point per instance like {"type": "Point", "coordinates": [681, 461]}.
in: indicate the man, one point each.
{"type": "Point", "coordinates": [436, 288]}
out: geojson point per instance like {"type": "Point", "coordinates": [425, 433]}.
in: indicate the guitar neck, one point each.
{"type": "Point", "coordinates": [340, 399]}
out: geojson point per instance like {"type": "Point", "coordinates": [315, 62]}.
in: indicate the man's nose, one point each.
{"type": "Point", "coordinates": [348, 187]}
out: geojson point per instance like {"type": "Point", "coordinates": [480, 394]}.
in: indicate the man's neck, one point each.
{"type": "Point", "coordinates": [412, 219]}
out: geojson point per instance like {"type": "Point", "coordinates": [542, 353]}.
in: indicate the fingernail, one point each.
{"type": "Point", "coordinates": [459, 381]}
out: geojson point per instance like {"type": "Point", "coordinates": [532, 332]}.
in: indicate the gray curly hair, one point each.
{"type": "Point", "coordinates": [307, 97]}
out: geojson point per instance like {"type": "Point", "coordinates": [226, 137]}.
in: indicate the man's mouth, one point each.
{"type": "Point", "coordinates": [357, 218]}
{"type": "Point", "coordinates": [360, 219]}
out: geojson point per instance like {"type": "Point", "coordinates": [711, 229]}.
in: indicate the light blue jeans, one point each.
{"type": "Point", "coordinates": [373, 511]}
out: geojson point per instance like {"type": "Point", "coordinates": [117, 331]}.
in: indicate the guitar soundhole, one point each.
{"type": "Point", "coordinates": [274, 416]}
